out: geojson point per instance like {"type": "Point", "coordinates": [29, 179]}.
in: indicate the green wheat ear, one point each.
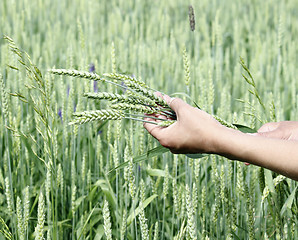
{"type": "Point", "coordinates": [76, 73]}
{"type": "Point", "coordinates": [123, 77]}
{"type": "Point", "coordinates": [186, 70]}
{"type": "Point", "coordinates": [250, 80]}
{"type": "Point", "coordinates": [33, 72]}
{"type": "Point", "coordinates": [166, 123]}
{"type": "Point", "coordinates": [89, 116]}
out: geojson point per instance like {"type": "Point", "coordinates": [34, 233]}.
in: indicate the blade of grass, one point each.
{"type": "Point", "coordinates": [136, 212]}
{"type": "Point", "coordinates": [149, 154]}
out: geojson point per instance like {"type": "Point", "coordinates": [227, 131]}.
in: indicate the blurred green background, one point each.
{"type": "Point", "coordinates": [145, 39]}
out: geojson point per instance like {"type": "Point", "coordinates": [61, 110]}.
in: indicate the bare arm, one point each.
{"type": "Point", "coordinates": [278, 155]}
{"type": "Point", "coordinates": [197, 132]}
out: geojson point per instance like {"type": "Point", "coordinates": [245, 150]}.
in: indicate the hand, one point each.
{"type": "Point", "coordinates": [195, 131]}
{"type": "Point", "coordinates": [287, 130]}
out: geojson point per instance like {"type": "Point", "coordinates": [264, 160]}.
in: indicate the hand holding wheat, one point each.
{"type": "Point", "coordinates": [195, 131]}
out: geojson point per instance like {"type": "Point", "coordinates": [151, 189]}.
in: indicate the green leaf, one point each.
{"type": "Point", "coordinates": [244, 129]}
{"type": "Point", "coordinates": [138, 209]}
{"type": "Point", "coordinates": [289, 202]}
{"type": "Point", "coordinates": [195, 155]}
{"type": "Point", "coordinates": [269, 180]}
{"type": "Point", "coordinates": [235, 235]}
{"type": "Point", "coordinates": [95, 218]}
{"type": "Point", "coordinates": [156, 172]}
{"type": "Point", "coordinates": [108, 191]}
{"type": "Point", "coordinates": [85, 224]}
{"type": "Point", "coordinates": [64, 223]}
{"type": "Point", "coordinates": [151, 153]}
{"type": "Point", "coordinates": [79, 200]}
{"type": "Point", "coordinates": [100, 231]}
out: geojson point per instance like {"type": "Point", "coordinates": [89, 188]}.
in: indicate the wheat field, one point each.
{"type": "Point", "coordinates": [105, 179]}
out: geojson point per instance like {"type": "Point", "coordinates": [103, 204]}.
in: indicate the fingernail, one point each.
{"type": "Point", "coordinates": [167, 99]}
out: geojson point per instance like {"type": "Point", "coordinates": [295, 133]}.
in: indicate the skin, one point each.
{"type": "Point", "coordinates": [274, 146]}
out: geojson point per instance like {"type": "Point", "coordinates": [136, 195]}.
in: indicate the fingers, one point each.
{"type": "Point", "coordinates": [159, 132]}
{"type": "Point", "coordinates": [152, 128]}
{"type": "Point", "coordinates": [268, 127]}
{"type": "Point", "coordinates": [177, 104]}
{"type": "Point", "coordinates": [272, 134]}
{"type": "Point", "coordinates": [168, 99]}
{"type": "Point", "coordinates": [174, 103]}
{"type": "Point", "coordinates": [270, 130]}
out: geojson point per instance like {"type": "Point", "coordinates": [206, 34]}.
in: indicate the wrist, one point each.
{"type": "Point", "coordinates": [224, 142]}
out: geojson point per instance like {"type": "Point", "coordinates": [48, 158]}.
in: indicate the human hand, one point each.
{"type": "Point", "coordinates": [195, 131]}
{"type": "Point", "coordinates": [287, 130]}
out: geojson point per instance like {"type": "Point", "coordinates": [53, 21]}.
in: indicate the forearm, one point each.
{"type": "Point", "coordinates": [275, 154]}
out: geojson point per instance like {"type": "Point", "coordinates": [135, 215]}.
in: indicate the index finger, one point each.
{"type": "Point", "coordinates": [153, 129]}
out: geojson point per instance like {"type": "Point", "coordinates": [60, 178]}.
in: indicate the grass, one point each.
{"type": "Point", "coordinates": [63, 171]}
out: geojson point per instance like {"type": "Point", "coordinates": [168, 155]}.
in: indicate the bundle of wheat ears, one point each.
{"type": "Point", "coordinates": [139, 100]}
